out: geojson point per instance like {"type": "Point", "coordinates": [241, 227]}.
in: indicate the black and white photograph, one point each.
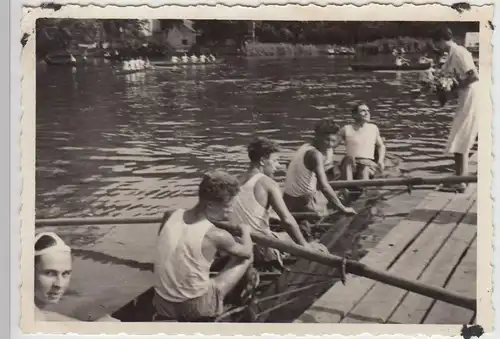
{"type": "Point", "coordinates": [246, 171]}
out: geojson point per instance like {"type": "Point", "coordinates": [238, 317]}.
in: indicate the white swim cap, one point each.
{"type": "Point", "coordinates": [59, 246]}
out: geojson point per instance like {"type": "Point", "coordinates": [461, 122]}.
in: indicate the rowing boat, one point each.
{"type": "Point", "coordinates": [389, 67]}
{"type": "Point", "coordinates": [189, 63]}
{"type": "Point", "coordinates": [132, 71]}
{"type": "Point", "coordinates": [278, 285]}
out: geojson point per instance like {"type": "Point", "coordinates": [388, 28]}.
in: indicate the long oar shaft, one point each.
{"type": "Point", "coordinates": [353, 267]}
{"type": "Point", "coordinates": [415, 181]}
{"type": "Point", "coordinates": [361, 269]}
{"type": "Point", "coordinates": [88, 221]}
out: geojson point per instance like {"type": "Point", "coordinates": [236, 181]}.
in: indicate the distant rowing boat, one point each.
{"type": "Point", "coordinates": [389, 67]}
{"type": "Point", "coordinates": [189, 63]}
{"type": "Point", "coordinates": [132, 71]}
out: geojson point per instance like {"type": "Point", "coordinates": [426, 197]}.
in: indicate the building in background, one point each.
{"type": "Point", "coordinates": [179, 35]}
{"type": "Point", "coordinates": [472, 41]}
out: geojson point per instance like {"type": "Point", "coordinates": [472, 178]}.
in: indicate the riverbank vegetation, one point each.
{"type": "Point", "coordinates": [246, 37]}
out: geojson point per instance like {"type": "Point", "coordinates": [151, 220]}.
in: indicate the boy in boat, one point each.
{"type": "Point", "coordinates": [187, 247]}
{"type": "Point", "coordinates": [258, 194]}
{"type": "Point", "coordinates": [307, 172]}
{"type": "Point", "coordinates": [363, 142]}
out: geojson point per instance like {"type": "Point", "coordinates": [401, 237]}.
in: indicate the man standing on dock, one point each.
{"type": "Point", "coordinates": [306, 173]}
{"type": "Point", "coordinates": [258, 194]}
{"type": "Point", "coordinates": [187, 246]}
{"type": "Point", "coordinates": [363, 143]}
{"type": "Point", "coordinates": [460, 64]}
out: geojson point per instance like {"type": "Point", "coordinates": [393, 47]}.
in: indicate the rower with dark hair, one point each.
{"type": "Point", "coordinates": [258, 194]}
{"type": "Point", "coordinates": [306, 173]}
{"type": "Point", "coordinates": [187, 247]}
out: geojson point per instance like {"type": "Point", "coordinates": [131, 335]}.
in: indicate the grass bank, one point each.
{"type": "Point", "coordinates": [281, 49]}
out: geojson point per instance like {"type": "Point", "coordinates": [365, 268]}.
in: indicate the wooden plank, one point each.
{"type": "Point", "coordinates": [414, 307]}
{"type": "Point", "coordinates": [380, 301]}
{"type": "Point", "coordinates": [463, 281]}
{"type": "Point", "coordinates": [340, 299]}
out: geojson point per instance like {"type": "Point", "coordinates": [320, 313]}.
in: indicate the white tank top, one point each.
{"type": "Point", "coordinates": [181, 270]}
{"type": "Point", "coordinates": [361, 143]}
{"type": "Point", "coordinates": [301, 181]}
{"type": "Point", "coordinates": [247, 210]}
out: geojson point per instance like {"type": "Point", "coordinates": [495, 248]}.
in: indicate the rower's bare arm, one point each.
{"type": "Point", "coordinates": [324, 185]}
{"type": "Point", "coordinates": [287, 220]}
{"type": "Point", "coordinates": [340, 138]}
{"type": "Point", "coordinates": [225, 242]}
{"type": "Point", "coordinates": [381, 150]}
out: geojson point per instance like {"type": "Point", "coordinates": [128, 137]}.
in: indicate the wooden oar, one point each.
{"type": "Point", "coordinates": [360, 269]}
{"type": "Point", "coordinates": [351, 266]}
{"type": "Point", "coordinates": [87, 221]}
{"type": "Point", "coordinates": [411, 181]}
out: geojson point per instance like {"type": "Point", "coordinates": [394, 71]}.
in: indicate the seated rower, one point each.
{"type": "Point", "coordinates": [212, 57]}
{"type": "Point", "coordinates": [140, 63]}
{"type": "Point", "coordinates": [147, 63]}
{"type": "Point", "coordinates": [187, 246]}
{"type": "Point", "coordinates": [53, 268]}
{"type": "Point", "coordinates": [126, 65]}
{"type": "Point", "coordinates": [400, 61]}
{"type": "Point", "coordinates": [258, 194]}
{"type": "Point", "coordinates": [133, 65]}
{"type": "Point", "coordinates": [203, 58]}
{"type": "Point", "coordinates": [194, 58]}
{"type": "Point", "coordinates": [362, 140]}
{"type": "Point", "coordinates": [306, 173]}
{"type": "Point", "coordinates": [185, 58]}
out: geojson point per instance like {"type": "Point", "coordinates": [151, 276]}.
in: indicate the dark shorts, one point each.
{"type": "Point", "coordinates": [358, 165]}
{"type": "Point", "coordinates": [316, 204]}
{"type": "Point", "coordinates": [209, 305]}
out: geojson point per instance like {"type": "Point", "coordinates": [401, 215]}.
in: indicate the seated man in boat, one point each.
{"type": "Point", "coordinates": [363, 141]}
{"type": "Point", "coordinates": [306, 173]}
{"type": "Point", "coordinates": [187, 246]}
{"type": "Point", "coordinates": [400, 61]}
{"type": "Point", "coordinates": [258, 194]}
{"type": "Point", "coordinates": [185, 58]}
{"type": "Point", "coordinates": [126, 65]}
{"type": "Point", "coordinates": [194, 58]}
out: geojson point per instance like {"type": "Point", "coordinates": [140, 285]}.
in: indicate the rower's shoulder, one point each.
{"type": "Point", "coordinates": [267, 182]}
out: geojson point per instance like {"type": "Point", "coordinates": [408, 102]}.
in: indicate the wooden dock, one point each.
{"type": "Point", "coordinates": [435, 244]}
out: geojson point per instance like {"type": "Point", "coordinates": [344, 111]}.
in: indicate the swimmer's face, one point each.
{"type": "Point", "coordinates": [363, 114]}
{"type": "Point", "coordinates": [52, 276]}
{"type": "Point", "coordinates": [270, 164]}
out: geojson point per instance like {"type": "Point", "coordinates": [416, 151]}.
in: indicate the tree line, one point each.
{"type": "Point", "coordinates": [56, 34]}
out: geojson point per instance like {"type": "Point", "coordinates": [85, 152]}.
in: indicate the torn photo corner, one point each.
{"type": "Point", "coordinates": [127, 108]}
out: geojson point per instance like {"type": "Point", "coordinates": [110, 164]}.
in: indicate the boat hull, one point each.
{"type": "Point", "coordinates": [132, 71]}
{"type": "Point", "coordinates": [198, 63]}
{"type": "Point", "coordinates": [389, 67]}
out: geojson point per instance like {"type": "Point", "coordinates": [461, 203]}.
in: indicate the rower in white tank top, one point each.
{"type": "Point", "coordinates": [300, 181]}
{"type": "Point", "coordinates": [247, 210]}
{"type": "Point", "coordinates": [181, 270]}
{"type": "Point", "coordinates": [360, 143]}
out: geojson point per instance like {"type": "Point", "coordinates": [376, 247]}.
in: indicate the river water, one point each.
{"type": "Point", "coordinates": [114, 145]}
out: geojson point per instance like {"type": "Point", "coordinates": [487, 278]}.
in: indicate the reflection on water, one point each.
{"type": "Point", "coordinates": [136, 144]}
